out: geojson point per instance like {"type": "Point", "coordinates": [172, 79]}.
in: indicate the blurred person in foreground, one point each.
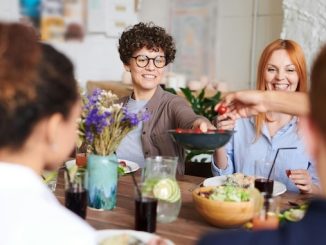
{"type": "Point", "coordinates": [39, 106]}
{"type": "Point", "coordinates": [146, 50]}
{"type": "Point", "coordinates": [311, 228]}
{"type": "Point", "coordinates": [282, 67]}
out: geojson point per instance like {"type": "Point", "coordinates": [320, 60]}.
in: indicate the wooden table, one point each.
{"type": "Point", "coordinates": [185, 230]}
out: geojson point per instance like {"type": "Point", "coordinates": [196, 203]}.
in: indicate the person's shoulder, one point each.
{"type": "Point", "coordinates": [173, 100]}
{"type": "Point", "coordinates": [241, 237]}
{"type": "Point", "coordinates": [234, 238]}
{"type": "Point", "coordinates": [244, 123]}
{"type": "Point", "coordinates": [167, 94]}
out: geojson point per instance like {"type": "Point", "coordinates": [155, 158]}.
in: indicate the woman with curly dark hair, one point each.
{"type": "Point", "coordinates": [145, 50]}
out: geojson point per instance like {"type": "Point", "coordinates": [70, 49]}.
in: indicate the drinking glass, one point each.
{"type": "Point", "coordinates": [50, 179]}
{"type": "Point", "coordinates": [264, 176]}
{"type": "Point", "coordinates": [76, 194]}
{"type": "Point", "coordinates": [159, 175]}
{"type": "Point", "coordinates": [145, 209]}
{"type": "Point", "coordinates": [267, 216]}
{"type": "Point", "coordinates": [81, 156]}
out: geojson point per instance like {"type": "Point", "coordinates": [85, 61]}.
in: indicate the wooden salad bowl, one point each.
{"type": "Point", "coordinates": [224, 214]}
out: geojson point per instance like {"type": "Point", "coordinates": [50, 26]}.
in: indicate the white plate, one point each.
{"type": "Point", "coordinates": [279, 188]}
{"type": "Point", "coordinates": [143, 236]}
{"type": "Point", "coordinates": [133, 166]}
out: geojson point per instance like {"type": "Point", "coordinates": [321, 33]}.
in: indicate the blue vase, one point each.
{"type": "Point", "coordinates": [102, 181]}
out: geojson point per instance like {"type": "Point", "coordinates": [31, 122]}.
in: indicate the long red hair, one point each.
{"type": "Point", "coordinates": [297, 57]}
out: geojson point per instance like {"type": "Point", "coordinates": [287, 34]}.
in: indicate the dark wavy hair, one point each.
{"type": "Point", "coordinates": [36, 82]}
{"type": "Point", "coordinates": [146, 35]}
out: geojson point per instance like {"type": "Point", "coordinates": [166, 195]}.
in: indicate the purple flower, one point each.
{"type": "Point", "coordinates": [89, 136]}
{"type": "Point", "coordinates": [145, 116]}
{"type": "Point", "coordinates": [130, 118]}
{"type": "Point", "coordinates": [96, 120]}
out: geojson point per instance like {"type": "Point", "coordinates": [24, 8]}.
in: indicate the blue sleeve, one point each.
{"type": "Point", "coordinates": [230, 158]}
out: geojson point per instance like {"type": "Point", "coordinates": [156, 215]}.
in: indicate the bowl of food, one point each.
{"type": "Point", "coordinates": [195, 139]}
{"type": "Point", "coordinates": [226, 206]}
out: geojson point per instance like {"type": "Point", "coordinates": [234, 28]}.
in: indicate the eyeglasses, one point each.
{"type": "Point", "coordinates": [143, 60]}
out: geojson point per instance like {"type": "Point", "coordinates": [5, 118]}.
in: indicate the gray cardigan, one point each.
{"type": "Point", "coordinates": [167, 111]}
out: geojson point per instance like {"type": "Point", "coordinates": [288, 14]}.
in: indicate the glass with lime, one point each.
{"type": "Point", "coordinates": [159, 179]}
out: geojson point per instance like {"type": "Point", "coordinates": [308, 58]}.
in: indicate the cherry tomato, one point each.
{"type": "Point", "coordinates": [221, 110]}
{"type": "Point", "coordinates": [197, 131]}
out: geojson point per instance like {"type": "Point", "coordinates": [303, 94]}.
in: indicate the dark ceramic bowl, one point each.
{"type": "Point", "coordinates": [193, 140]}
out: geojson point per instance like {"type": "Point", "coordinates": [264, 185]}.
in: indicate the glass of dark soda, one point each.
{"type": "Point", "coordinates": [145, 210]}
{"type": "Point", "coordinates": [76, 194]}
{"type": "Point", "coordinates": [264, 176]}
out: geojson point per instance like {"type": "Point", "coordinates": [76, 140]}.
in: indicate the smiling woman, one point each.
{"type": "Point", "coordinates": [282, 67]}
{"type": "Point", "coordinates": [145, 50]}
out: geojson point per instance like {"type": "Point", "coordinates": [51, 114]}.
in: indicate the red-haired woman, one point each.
{"type": "Point", "coordinates": [282, 67]}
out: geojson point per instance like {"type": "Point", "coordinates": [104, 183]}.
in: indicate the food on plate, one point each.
{"type": "Point", "coordinates": [128, 239]}
{"type": "Point", "coordinates": [294, 214]}
{"type": "Point", "coordinates": [123, 167]}
{"type": "Point", "coordinates": [240, 180]}
{"type": "Point", "coordinates": [227, 193]}
{"type": "Point", "coordinates": [122, 239]}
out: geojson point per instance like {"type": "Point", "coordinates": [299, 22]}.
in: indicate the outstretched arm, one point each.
{"type": "Point", "coordinates": [251, 102]}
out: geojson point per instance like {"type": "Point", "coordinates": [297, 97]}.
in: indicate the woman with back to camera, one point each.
{"type": "Point", "coordinates": [146, 50]}
{"type": "Point", "coordinates": [282, 67]}
{"type": "Point", "coordinates": [39, 105]}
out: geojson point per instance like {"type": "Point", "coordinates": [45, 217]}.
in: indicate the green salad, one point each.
{"type": "Point", "coordinates": [230, 194]}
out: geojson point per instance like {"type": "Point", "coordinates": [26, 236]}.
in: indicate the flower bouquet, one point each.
{"type": "Point", "coordinates": [104, 123]}
{"type": "Point", "coordinates": [102, 126]}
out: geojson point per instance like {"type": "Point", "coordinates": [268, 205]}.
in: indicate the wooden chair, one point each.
{"type": "Point", "coordinates": [118, 88]}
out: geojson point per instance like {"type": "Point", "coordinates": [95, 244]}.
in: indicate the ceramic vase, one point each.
{"type": "Point", "coordinates": [102, 181]}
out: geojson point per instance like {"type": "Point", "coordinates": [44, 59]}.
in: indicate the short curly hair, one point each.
{"type": "Point", "coordinates": [146, 35]}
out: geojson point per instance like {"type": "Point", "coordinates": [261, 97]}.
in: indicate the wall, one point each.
{"type": "Point", "coordinates": [239, 41]}
{"type": "Point", "coordinates": [9, 10]}
{"type": "Point", "coordinates": [97, 58]}
{"type": "Point", "coordinates": [305, 23]}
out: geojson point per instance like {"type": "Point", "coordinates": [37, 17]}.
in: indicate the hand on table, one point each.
{"type": "Point", "coordinates": [302, 179]}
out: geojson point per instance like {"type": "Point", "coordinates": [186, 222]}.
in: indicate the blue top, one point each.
{"type": "Point", "coordinates": [309, 230]}
{"type": "Point", "coordinates": [242, 151]}
{"type": "Point", "coordinates": [130, 147]}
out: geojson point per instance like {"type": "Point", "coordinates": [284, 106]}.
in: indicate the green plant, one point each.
{"type": "Point", "coordinates": [202, 106]}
